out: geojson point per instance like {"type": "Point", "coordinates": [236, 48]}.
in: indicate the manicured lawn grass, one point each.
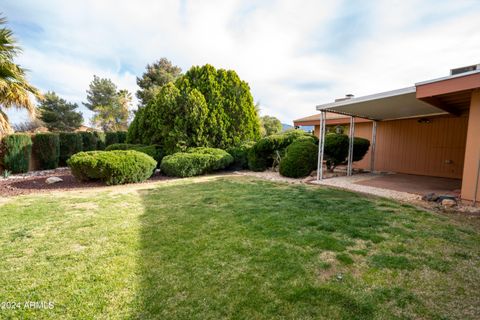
{"type": "Point", "coordinates": [235, 248]}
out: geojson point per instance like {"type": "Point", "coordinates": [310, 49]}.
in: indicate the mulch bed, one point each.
{"type": "Point", "coordinates": [36, 183]}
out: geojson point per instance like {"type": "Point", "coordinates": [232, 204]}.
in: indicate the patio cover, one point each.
{"type": "Point", "coordinates": [390, 105]}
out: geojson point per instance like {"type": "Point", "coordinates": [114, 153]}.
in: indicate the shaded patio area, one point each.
{"type": "Point", "coordinates": [416, 184]}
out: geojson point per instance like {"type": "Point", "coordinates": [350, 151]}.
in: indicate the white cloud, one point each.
{"type": "Point", "coordinates": [294, 54]}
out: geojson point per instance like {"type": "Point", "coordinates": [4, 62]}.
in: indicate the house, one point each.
{"type": "Point", "coordinates": [430, 129]}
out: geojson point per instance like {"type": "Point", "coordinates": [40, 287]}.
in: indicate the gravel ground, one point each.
{"type": "Point", "coordinates": [349, 183]}
{"type": "Point", "coordinates": [272, 176]}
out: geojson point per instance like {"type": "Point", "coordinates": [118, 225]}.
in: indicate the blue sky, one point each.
{"type": "Point", "coordinates": [294, 54]}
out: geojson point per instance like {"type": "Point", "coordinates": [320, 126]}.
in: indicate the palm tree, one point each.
{"type": "Point", "coordinates": [15, 90]}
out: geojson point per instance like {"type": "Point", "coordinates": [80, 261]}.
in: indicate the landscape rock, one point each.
{"type": "Point", "coordinates": [52, 180]}
{"type": "Point", "coordinates": [448, 203]}
{"type": "Point", "coordinates": [430, 197]}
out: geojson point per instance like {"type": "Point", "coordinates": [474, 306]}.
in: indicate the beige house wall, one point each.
{"type": "Point", "coordinates": [472, 152]}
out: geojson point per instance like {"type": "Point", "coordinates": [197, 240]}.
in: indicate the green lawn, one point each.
{"type": "Point", "coordinates": [235, 248]}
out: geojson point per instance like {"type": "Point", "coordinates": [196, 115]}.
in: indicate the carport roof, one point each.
{"type": "Point", "coordinates": [390, 105]}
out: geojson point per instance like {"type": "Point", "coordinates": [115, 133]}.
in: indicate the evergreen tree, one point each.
{"type": "Point", "coordinates": [156, 75]}
{"type": "Point", "coordinates": [271, 125]}
{"type": "Point", "coordinates": [59, 115]}
{"type": "Point", "coordinates": [205, 107]}
{"type": "Point", "coordinates": [111, 107]}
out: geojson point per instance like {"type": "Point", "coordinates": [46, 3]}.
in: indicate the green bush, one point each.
{"type": "Point", "coordinates": [182, 164]}
{"type": "Point", "coordinates": [360, 148]}
{"type": "Point", "coordinates": [122, 136]}
{"type": "Point", "coordinates": [195, 161]}
{"type": "Point", "coordinates": [240, 155]}
{"type": "Point", "coordinates": [111, 137]}
{"type": "Point", "coordinates": [204, 107]}
{"type": "Point", "coordinates": [112, 167]}
{"type": "Point", "coordinates": [70, 143]}
{"type": "Point", "coordinates": [336, 149]}
{"type": "Point", "coordinates": [101, 140]}
{"type": "Point", "coordinates": [153, 151]}
{"type": "Point", "coordinates": [261, 155]}
{"type": "Point", "coordinates": [300, 159]}
{"type": "Point", "coordinates": [89, 140]}
{"type": "Point", "coordinates": [46, 149]}
{"type": "Point", "coordinates": [220, 158]}
{"type": "Point", "coordinates": [16, 152]}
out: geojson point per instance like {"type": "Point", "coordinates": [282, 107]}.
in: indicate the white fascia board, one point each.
{"type": "Point", "coordinates": [463, 74]}
{"type": "Point", "coordinates": [371, 97]}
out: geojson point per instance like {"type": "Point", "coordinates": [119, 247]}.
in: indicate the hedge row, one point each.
{"type": "Point", "coordinates": [51, 149]}
{"type": "Point", "coordinates": [16, 150]}
{"type": "Point", "coordinates": [46, 148]}
{"type": "Point", "coordinates": [112, 167]}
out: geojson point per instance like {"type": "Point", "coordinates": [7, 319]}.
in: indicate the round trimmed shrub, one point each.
{"type": "Point", "coordinates": [70, 143]}
{"type": "Point", "coordinates": [240, 155]}
{"type": "Point", "coordinates": [89, 141]}
{"type": "Point", "coordinates": [195, 161]}
{"type": "Point", "coordinates": [17, 149]}
{"type": "Point", "coordinates": [300, 159]}
{"type": "Point", "coordinates": [360, 148]}
{"type": "Point", "coordinates": [220, 158]}
{"type": "Point", "coordinates": [336, 149]}
{"type": "Point", "coordinates": [183, 164]}
{"type": "Point", "coordinates": [153, 150]}
{"type": "Point", "coordinates": [46, 149]}
{"type": "Point", "coordinates": [112, 167]}
{"type": "Point", "coordinates": [261, 155]}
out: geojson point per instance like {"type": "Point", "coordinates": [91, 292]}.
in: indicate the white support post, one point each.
{"type": "Point", "coordinates": [350, 146]}
{"type": "Point", "coordinates": [321, 144]}
{"type": "Point", "coordinates": [374, 144]}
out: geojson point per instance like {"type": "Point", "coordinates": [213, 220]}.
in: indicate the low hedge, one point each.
{"type": "Point", "coordinates": [89, 141]}
{"type": "Point", "coordinates": [300, 159]}
{"type": "Point", "coordinates": [195, 161]}
{"type": "Point", "coordinates": [17, 149]}
{"type": "Point", "coordinates": [101, 140]}
{"type": "Point", "coordinates": [240, 155]}
{"type": "Point", "coordinates": [262, 154]}
{"type": "Point", "coordinates": [70, 144]}
{"type": "Point", "coordinates": [153, 150]}
{"type": "Point", "coordinates": [112, 167]}
{"type": "Point", "coordinates": [46, 149]}
{"type": "Point", "coordinates": [122, 136]}
{"type": "Point", "coordinates": [112, 137]}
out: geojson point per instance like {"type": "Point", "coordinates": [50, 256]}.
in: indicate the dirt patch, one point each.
{"type": "Point", "coordinates": [28, 184]}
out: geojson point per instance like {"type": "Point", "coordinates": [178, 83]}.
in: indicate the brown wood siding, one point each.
{"type": "Point", "coordinates": [407, 146]}
{"type": "Point", "coordinates": [434, 149]}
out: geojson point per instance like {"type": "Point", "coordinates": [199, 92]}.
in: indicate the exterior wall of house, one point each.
{"type": "Point", "coordinates": [408, 146]}
{"type": "Point", "coordinates": [435, 148]}
{"type": "Point", "coordinates": [472, 152]}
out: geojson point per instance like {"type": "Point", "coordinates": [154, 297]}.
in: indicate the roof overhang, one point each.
{"type": "Point", "coordinates": [390, 105]}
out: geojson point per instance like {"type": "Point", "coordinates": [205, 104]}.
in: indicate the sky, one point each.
{"type": "Point", "coordinates": [294, 54]}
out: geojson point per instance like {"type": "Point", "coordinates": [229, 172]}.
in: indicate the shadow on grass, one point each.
{"type": "Point", "coordinates": [250, 249]}
{"type": "Point", "coordinates": [238, 250]}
